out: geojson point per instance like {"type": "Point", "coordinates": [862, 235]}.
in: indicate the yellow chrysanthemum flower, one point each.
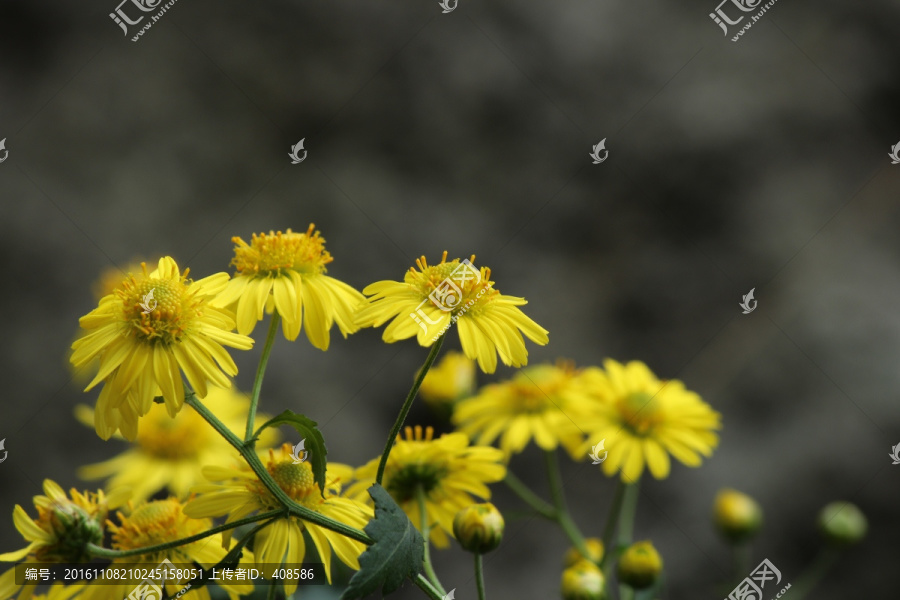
{"type": "Point", "coordinates": [171, 452]}
{"type": "Point", "coordinates": [286, 272]}
{"type": "Point", "coordinates": [643, 420]}
{"type": "Point", "coordinates": [543, 403]}
{"type": "Point", "coordinates": [152, 328]}
{"type": "Point", "coordinates": [447, 471]}
{"type": "Point", "coordinates": [239, 493]}
{"type": "Point", "coordinates": [449, 380]}
{"type": "Point", "coordinates": [59, 533]}
{"type": "Point", "coordinates": [159, 522]}
{"type": "Point", "coordinates": [432, 298]}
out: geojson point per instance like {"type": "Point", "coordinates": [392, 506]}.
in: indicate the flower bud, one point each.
{"type": "Point", "coordinates": [479, 527]}
{"type": "Point", "coordinates": [583, 581]}
{"type": "Point", "coordinates": [737, 516]}
{"type": "Point", "coordinates": [843, 523]}
{"type": "Point", "coordinates": [640, 565]}
{"type": "Point", "coordinates": [595, 552]}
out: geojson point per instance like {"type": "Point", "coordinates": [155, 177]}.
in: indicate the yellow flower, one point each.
{"type": "Point", "coordinates": [543, 403]}
{"type": "Point", "coordinates": [640, 565]}
{"type": "Point", "coordinates": [171, 452]}
{"type": "Point", "coordinates": [239, 493]}
{"type": "Point", "coordinates": [286, 272]}
{"type": "Point", "coordinates": [143, 352]}
{"type": "Point", "coordinates": [643, 420]}
{"type": "Point", "coordinates": [64, 525]}
{"type": "Point", "coordinates": [737, 516]}
{"type": "Point", "coordinates": [450, 379]}
{"type": "Point", "coordinates": [594, 547]}
{"type": "Point", "coordinates": [159, 522]}
{"type": "Point", "coordinates": [447, 293]}
{"type": "Point", "coordinates": [447, 471]}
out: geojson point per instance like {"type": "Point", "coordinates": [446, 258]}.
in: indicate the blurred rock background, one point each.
{"type": "Point", "coordinates": [758, 164]}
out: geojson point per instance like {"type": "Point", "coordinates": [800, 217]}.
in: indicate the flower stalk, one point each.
{"type": "Point", "coordinates": [260, 373]}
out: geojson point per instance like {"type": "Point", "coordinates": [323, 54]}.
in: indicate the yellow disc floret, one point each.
{"type": "Point", "coordinates": [272, 252]}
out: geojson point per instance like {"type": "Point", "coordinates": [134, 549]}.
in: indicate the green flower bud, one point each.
{"type": "Point", "coordinates": [737, 516]}
{"type": "Point", "coordinates": [583, 581]}
{"type": "Point", "coordinates": [640, 565]}
{"type": "Point", "coordinates": [479, 528]}
{"type": "Point", "coordinates": [595, 552]}
{"type": "Point", "coordinates": [843, 523]}
{"type": "Point", "coordinates": [73, 528]}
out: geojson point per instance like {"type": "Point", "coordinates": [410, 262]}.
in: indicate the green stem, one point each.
{"type": "Point", "coordinates": [265, 478]}
{"type": "Point", "coordinates": [625, 506]}
{"type": "Point", "coordinates": [270, 595]}
{"type": "Point", "coordinates": [425, 585]}
{"type": "Point", "coordinates": [101, 552]}
{"type": "Point", "coordinates": [562, 513]}
{"type": "Point", "coordinates": [479, 575]}
{"type": "Point", "coordinates": [260, 373]}
{"type": "Point", "coordinates": [545, 509]}
{"type": "Point", "coordinates": [423, 523]}
{"type": "Point", "coordinates": [813, 573]}
{"type": "Point", "coordinates": [629, 509]}
{"type": "Point", "coordinates": [404, 410]}
{"type": "Point", "coordinates": [741, 555]}
{"type": "Point", "coordinates": [612, 520]}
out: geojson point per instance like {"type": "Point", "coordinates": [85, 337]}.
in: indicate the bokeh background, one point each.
{"type": "Point", "coordinates": [758, 164]}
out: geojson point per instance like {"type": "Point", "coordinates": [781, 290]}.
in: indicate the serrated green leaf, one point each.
{"type": "Point", "coordinates": [397, 553]}
{"type": "Point", "coordinates": [315, 443]}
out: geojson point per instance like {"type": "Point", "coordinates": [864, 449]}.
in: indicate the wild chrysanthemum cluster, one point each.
{"type": "Point", "coordinates": [157, 341]}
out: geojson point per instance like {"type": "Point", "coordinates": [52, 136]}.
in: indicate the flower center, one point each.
{"type": "Point", "coordinates": [153, 523]}
{"type": "Point", "coordinates": [296, 480]}
{"type": "Point", "coordinates": [538, 388]}
{"type": "Point", "coordinates": [158, 310]}
{"type": "Point", "coordinates": [639, 411]}
{"type": "Point", "coordinates": [269, 254]}
{"type": "Point", "coordinates": [404, 483]}
{"type": "Point", "coordinates": [166, 438]}
{"type": "Point", "coordinates": [453, 285]}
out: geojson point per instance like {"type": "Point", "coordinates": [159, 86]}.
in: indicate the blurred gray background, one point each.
{"type": "Point", "coordinates": [757, 164]}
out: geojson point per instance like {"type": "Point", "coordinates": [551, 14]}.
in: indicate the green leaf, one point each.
{"type": "Point", "coordinates": [314, 442]}
{"type": "Point", "coordinates": [397, 553]}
